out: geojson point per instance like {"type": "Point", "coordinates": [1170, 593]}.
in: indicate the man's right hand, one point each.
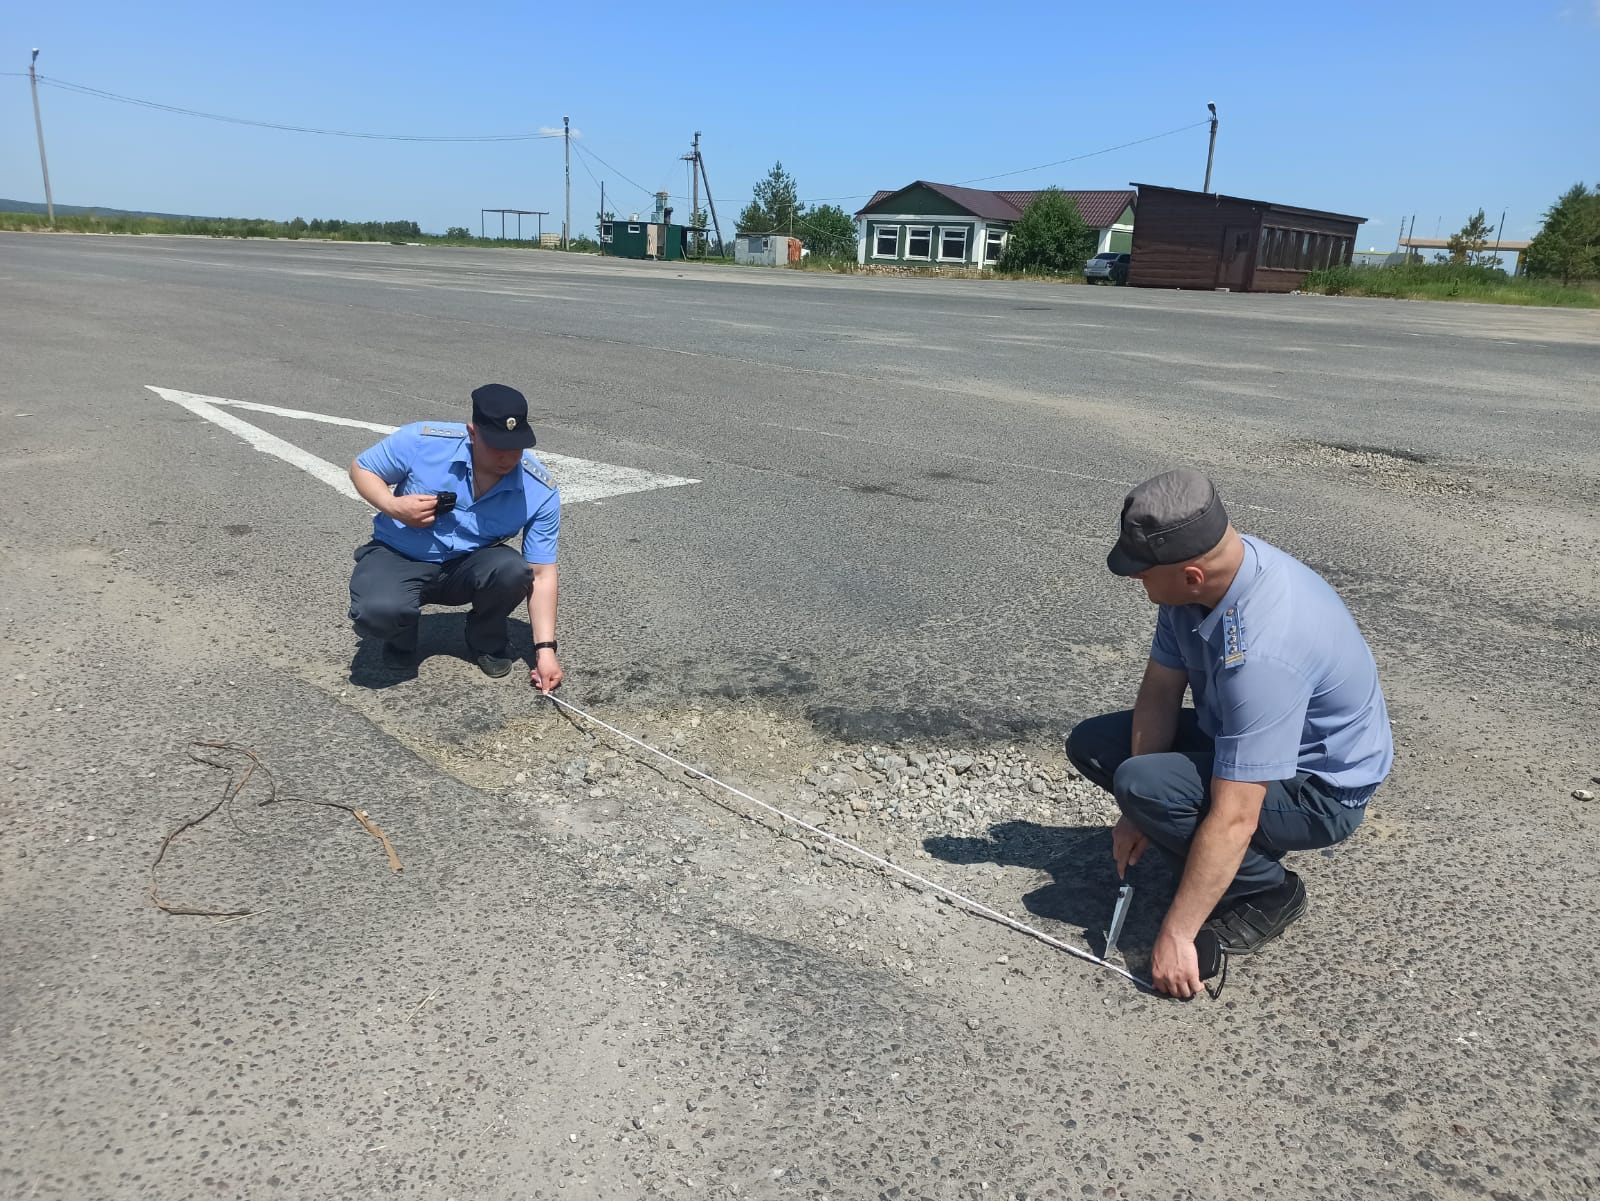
{"type": "Point", "coordinates": [1128, 844]}
{"type": "Point", "coordinates": [414, 509]}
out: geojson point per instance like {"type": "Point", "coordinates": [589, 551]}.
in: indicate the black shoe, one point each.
{"type": "Point", "coordinates": [493, 666]}
{"type": "Point", "coordinates": [1251, 922]}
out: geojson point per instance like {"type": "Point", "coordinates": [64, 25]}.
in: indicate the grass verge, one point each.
{"type": "Point", "coordinates": [1449, 281]}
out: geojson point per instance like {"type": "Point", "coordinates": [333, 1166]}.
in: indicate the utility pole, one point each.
{"type": "Point", "coordinates": [696, 170]}
{"type": "Point", "coordinates": [710, 203]}
{"type": "Point", "coordinates": [1499, 232]}
{"type": "Point", "coordinates": [38, 125]}
{"type": "Point", "coordinates": [601, 224]}
{"type": "Point", "coordinates": [1211, 152]}
{"type": "Point", "coordinates": [566, 225]}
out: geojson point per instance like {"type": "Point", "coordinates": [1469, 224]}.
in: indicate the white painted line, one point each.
{"type": "Point", "coordinates": [298, 414]}
{"type": "Point", "coordinates": [580, 480]}
{"type": "Point", "coordinates": [335, 477]}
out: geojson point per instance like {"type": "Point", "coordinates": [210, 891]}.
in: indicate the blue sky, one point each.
{"type": "Point", "coordinates": [1382, 110]}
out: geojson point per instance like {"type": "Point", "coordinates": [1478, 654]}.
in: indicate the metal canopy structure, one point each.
{"type": "Point", "coordinates": [483, 215]}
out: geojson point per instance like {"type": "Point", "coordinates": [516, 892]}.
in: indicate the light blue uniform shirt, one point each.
{"type": "Point", "coordinates": [434, 456]}
{"type": "Point", "coordinates": [1283, 681]}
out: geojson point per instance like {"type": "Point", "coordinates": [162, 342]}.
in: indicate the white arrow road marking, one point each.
{"type": "Point", "coordinates": [579, 479]}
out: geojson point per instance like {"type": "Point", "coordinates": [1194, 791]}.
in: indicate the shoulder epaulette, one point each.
{"type": "Point", "coordinates": [445, 431]}
{"type": "Point", "coordinates": [536, 469]}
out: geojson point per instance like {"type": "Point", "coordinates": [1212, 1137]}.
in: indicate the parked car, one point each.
{"type": "Point", "coordinates": [1108, 266]}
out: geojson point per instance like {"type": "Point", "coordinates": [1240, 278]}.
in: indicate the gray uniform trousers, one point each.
{"type": "Point", "coordinates": [1166, 796]}
{"type": "Point", "coordinates": [388, 590]}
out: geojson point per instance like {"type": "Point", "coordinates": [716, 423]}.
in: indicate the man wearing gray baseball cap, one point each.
{"type": "Point", "coordinates": [1287, 740]}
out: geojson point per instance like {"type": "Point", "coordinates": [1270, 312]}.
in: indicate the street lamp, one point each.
{"type": "Point", "coordinates": [1212, 150]}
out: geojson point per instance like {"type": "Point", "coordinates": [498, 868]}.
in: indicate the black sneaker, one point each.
{"type": "Point", "coordinates": [1251, 922]}
{"type": "Point", "coordinates": [493, 666]}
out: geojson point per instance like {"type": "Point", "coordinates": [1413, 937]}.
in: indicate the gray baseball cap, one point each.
{"type": "Point", "coordinates": [1172, 518]}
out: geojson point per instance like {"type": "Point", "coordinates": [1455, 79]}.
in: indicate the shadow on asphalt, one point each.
{"type": "Point", "coordinates": [438, 633]}
{"type": "Point", "coordinates": [1083, 887]}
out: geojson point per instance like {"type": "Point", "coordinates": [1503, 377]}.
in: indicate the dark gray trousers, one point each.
{"type": "Point", "coordinates": [1168, 795]}
{"type": "Point", "coordinates": [388, 590]}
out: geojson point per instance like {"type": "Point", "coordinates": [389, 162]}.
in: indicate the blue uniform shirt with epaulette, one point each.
{"type": "Point", "coordinates": [430, 457]}
{"type": "Point", "coordinates": [1283, 681]}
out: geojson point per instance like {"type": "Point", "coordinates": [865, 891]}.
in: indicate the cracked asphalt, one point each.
{"type": "Point", "coordinates": [907, 489]}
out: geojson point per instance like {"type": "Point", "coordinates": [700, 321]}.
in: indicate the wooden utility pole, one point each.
{"type": "Point", "coordinates": [710, 203]}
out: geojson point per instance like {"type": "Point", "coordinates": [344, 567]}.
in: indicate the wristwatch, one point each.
{"type": "Point", "coordinates": [539, 646]}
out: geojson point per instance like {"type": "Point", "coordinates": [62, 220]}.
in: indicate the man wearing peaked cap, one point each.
{"type": "Point", "coordinates": [1287, 740]}
{"type": "Point", "coordinates": [449, 498]}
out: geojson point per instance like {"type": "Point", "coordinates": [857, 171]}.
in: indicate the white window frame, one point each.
{"type": "Point", "coordinates": [877, 233]}
{"type": "Point", "coordinates": [633, 229]}
{"type": "Point", "coordinates": [912, 231]}
{"type": "Point", "coordinates": [966, 239]}
{"type": "Point", "coordinates": [994, 240]}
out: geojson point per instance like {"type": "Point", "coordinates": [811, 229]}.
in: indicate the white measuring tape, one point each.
{"type": "Point", "coordinates": [965, 902]}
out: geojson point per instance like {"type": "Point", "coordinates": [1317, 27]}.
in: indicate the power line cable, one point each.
{"type": "Point", "coordinates": [83, 89]}
{"type": "Point", "coordinates": [1091, 154]}
{"type": "Point", "coordinates": [1024, 170]}
{"type": "Point", "coordinates": [586, 151]}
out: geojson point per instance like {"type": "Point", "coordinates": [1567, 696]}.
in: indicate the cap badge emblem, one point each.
{"type": "Point", "coordinates": [511, 423]}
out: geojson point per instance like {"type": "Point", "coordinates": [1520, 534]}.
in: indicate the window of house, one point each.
{"type": "Point", "coordinates": [1272, 242]}
{"type": "Point", "coordinates": [766, 244]}
{"type": "Point", "coordinates": [994, 245]}
{"type": "Point", "coordinates": [919, 242]}
{"type": "Point", "coordinates": [886, 242]}
{"type": "Point", "coordinates": [633, 229]}
{"type": "Point", "coordinates": [605, 232]}
{"type": "Point", "coordinates": [953, 245]}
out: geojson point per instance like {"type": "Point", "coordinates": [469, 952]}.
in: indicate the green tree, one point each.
{"type": "Point", "coordinates": [828, 231]}
{"type": "Point", "coordinates": [1467, 244]}
{"type": "Point", "coordinates": [458, 233]}
{"type": "Point", "coordinates": [1051, 236]}
{"type": "Point", "coordinates": [774, 204]}
{"type": "Point", "coordinates": [1567, 246]}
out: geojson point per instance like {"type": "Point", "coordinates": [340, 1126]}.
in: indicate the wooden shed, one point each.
{"type": "Point", "coordinates": [1186, 239]}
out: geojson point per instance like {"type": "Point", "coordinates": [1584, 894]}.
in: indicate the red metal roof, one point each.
{"type": "Point", "coordinates": [1099, 209]}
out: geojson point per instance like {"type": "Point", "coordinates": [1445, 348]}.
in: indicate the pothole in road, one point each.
{"type": "Point", "coordinates": [964, 816]}
{"type": "Point", "coordinates": [1398, 469]}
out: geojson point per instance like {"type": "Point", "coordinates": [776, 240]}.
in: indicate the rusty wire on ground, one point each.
{"type": "Point", "coordinates": [236, 785]}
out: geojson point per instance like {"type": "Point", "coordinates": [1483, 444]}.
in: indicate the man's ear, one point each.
{"type": "Point", "coordinates": [1194, 576]}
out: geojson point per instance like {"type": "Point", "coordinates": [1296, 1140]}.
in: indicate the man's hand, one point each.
{"type": "Point", "coordinates": [413, 509]}
{"type": "Point", "coordinates": [1128, 844]}
{"type": "Point", "coordinates": [1175, 965]}
{"type": "Point", "coordinates": [547, 675]}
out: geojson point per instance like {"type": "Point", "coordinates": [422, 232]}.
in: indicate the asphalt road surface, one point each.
{"type": "Point", "coordinates": [590, 980]}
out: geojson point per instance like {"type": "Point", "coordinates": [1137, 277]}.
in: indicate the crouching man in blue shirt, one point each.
{"type": "Point", "coordinates": [449, 497]}
{"type": "Point", "coordinates": [1287, 741]}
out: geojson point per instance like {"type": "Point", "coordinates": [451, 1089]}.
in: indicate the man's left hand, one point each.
{"type": "Point", "coordinates": [547, 674]}
{"type": "Point", "coordinates": [1175, 965]}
